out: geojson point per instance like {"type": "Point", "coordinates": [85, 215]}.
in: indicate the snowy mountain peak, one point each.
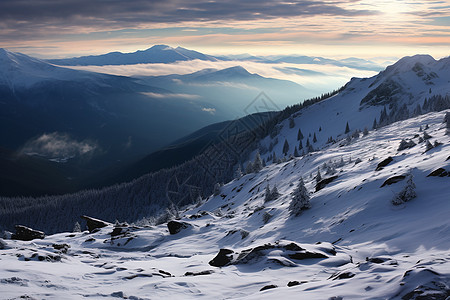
{"type": "Point", "coordinates": [160, 47]}
{"type": "Point", "coordinates": [407, 63]}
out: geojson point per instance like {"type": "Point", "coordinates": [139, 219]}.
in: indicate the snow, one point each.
{"type": "Point", "coordinates": [382, 251]}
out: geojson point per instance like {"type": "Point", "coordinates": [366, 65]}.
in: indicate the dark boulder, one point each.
{"type": "Point", "coordinates": [27, 234]}
{"type": "Point", "coordinates": [306, 255]}
{"type": "Point", "coordinates": [61, 247]}
{"type": "Point", "coordinates": [175, 227]}
{"type": "Point", "coordinates": [343, 275]}
{"type": "Point", "coordinates": [384, 163]}
{"type": "Point", "coordinates": [268, 287]}
{"type": "Point", "coordinates": [94, 224]}
{"type": "Point", "coordinates": [393, 180]}
{"type": "Point", "coordinates": [439, 173]}
{"type": "Point", "coordinates": [206, 272]}
{"type": "Point", "coordinates": [222, 258]}
{"type": "Point", "coordinates": [295, 282]}
{"type": "Point", "coordinates": [321, 184]}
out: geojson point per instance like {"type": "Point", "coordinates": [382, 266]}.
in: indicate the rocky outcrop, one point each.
{"type": "Point", "coordinates": [323, 183]}
{"type": "Point", "coordinates": [222, 258]}
{"type": "Point", "coordinates": [175, 226]}
{"type": "Point", "coordinates": [94, 224]}
{"type": "Point", "coordinates": [24, 233]}
{"type": "Point", "coordinates": [439, 173]}
{"type": "Point", "coordinates": [393, 180]}
{"type": "Point", "coordinates": [384, 163]}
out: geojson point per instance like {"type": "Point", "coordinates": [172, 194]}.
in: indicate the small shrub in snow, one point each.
{"type": "Point", "coordinates": [300, 199]}
{"type": "Point", "coordinates": [266, 217]}
{"type": "Point", "coordinates": [405, 144]}
{"type": "Point", "coordinates": [358, 160]}
{"type": "Point", "coordinates": [426, 136]}
{"type": "Point", "coordinates": [407, 193]}
{"type": "Point", "coordinates": [428, 146]}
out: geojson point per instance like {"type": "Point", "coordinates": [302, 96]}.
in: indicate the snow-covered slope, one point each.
{"type": "Point", "coordinates": [353, 243]}
{"type": "Point", "coordinates": [400, 89]}
{"type": "Point", "coordinates": [19, 70]}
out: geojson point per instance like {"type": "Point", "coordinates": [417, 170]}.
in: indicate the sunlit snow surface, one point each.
{"type": "Point", "coordinates": [407, 245]}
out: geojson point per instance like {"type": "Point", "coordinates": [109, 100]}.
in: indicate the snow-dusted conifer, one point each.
{"type": "Point", "coordinates": [296, 152]}
{"type": "Point", "coordinates": [300, 145]}
{"type": "Point", "coordinates": [374, 125]}
{"type": "Point", "coordinates": [217, 189]}
{"type": "Point", "coordinates": [407, 193]}
{"type": "Point", "coordinates": [318, 176]}
{"type": "Point", "coordinates": [238, 172]}
{"type": "Point", "coordinates": [300, 199]}
{"type": "Point", "coordinates": [257, 164]}
{"type": "Point", "coordinates": [77, 227]}
{"type": "Point", "coordinates": [314, 138]}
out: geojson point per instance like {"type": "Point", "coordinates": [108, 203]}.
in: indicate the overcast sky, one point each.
{"type": "Point", "coordinates": [362, 28]}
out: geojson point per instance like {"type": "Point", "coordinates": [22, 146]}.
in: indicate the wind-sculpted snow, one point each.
{"type": "Point", "coordinates": [352, 243]}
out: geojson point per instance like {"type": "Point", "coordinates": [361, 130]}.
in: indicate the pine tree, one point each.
{"type": "Point", "coordinates": [267, 194]}
{"type": "Point", "coordinates": [307, 143]}
{"type": "Point", "coordinates": [374, 126]}
{"type": "Point", "coordinates": [300, 199]}
{"type": "Point", "coordinates": [347, 128]}
{"type": "Point", "coordinates": [257, 164]}
{"type": "Point", "coordinates": [249, 168]}
{"type": "Point", "coordinates": [300, 145]}
{"type": "Point", "coordinates": [320, 128]}
{"type": "Point", "coordinates": [285, 147]}
{"type": "Point", "coordinates": [299, 135]}
{"type": "Point", "coordinates": [318, 176]}
{"type": "Point", "coordinates": [274, 193]}
{"type": "Point", "coordinates": [296, 152]}
{"type": "Point", "coordinates": [274, 159]}
{"type": "Point", "coordinates": [314, 138]}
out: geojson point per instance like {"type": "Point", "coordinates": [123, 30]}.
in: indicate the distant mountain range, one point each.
{"type": "Point", "coordinates": [155, 54]}
{"type": "Point", "coordinates": [166, 54]}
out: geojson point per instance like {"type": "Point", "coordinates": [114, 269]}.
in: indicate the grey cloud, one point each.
{"type": "Point", "coordinates": [118, 13]}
